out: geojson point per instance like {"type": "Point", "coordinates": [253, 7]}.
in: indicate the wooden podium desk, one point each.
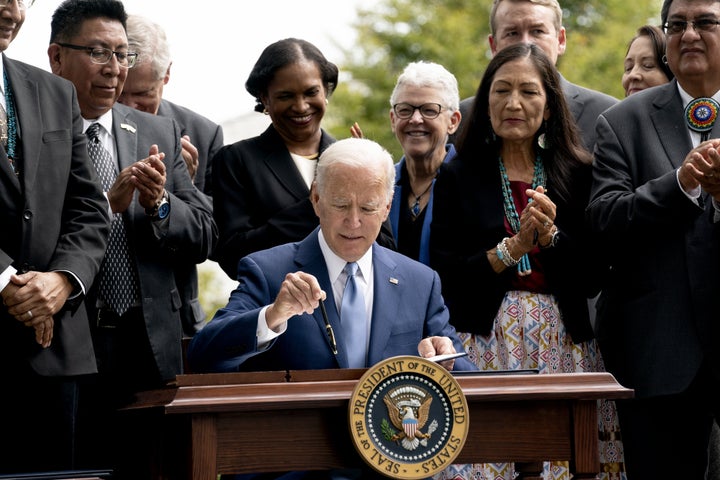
{"type": "Point", "coordinates": [278, 421]}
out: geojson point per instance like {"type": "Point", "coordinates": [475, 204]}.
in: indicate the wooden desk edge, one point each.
{"type": "Point", "coordinates": [226, 392]}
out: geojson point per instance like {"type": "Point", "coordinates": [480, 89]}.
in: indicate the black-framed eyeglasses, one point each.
{"type": "Point", "coordinates": [675, 27]}
{"type": "Point", "coordinates": [101, 55]}
{"type": "Point", "coordinates": [427, 110]}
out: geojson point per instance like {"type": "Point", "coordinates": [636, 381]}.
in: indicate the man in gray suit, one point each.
{"type": "Point", "coordinates": [54, 224]}
{"type": "Point", "coordinates": [166, 219]}
{"type": "Point", "coordinates": [540, 22]}
{"type": "Point", "coordinates": [201, 137]}
{"type": "Point", "coordinates": [655, 204]}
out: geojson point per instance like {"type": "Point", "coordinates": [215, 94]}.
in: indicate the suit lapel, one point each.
{"type": "Point", "coordinates": [668, 120]}
{"type": "Point", "coordinates": [25, 92]}
{"type": "Point", "coordinates": [281, 164]}
{"type": "Point", "coordinates": [389, 285]}
{"type": "Point", "coordinates": [125, 133]}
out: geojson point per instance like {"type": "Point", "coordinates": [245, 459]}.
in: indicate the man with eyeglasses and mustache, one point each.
{"type": "Point", "coordinates": [160, 220]}
{"type": "Point", "coordinates": [655, 203]}
{"type": "Point", "coordinates": [54, 224]}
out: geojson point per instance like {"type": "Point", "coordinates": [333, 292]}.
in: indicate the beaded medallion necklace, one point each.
{"type": "Point", "coordinates": [509, 205]}
{"type": "Point", "coordinates": [11, 123]}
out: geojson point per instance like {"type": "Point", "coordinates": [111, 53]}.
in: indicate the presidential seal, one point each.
{"type": "Point", "coordinates": [408, 417]}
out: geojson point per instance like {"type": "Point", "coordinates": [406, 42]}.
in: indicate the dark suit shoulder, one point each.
{"type": "Point", "coordinates": [268, 142]}
{"type": "Point", "coordinates": [402, 262]}
{"type": "Point", "coordinates": [147, 123]}
{"type": "Point", "coordinates": [598, 100]}
{"type": "Point", "coordinates": [641, 103]}
{"type": "Point", "coordinates": [136, 115]}
{"type": "Point", "coordinates": [184, 115]}
{"type": "Point", "coordinates": [30, 72]}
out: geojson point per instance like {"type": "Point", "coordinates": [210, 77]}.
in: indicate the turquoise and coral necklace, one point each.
{"type": "Point", "coordinates": [509, 205]}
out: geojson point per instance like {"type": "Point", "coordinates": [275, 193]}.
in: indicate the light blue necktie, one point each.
{"type": "Point", "coordinates": [353, 318]}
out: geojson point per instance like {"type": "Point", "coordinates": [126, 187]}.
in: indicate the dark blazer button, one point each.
{"type": "Point", "coordinates": [27, 215]}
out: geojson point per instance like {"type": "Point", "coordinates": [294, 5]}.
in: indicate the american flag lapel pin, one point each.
{"type": "Point", "coordinates": [394, 280]}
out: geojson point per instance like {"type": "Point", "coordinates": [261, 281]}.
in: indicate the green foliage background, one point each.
{"type": "Point", "coordinates": [454, 33]}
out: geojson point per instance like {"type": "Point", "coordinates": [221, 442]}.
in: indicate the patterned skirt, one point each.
{"type": "Point", "coordinates": [529, 335]}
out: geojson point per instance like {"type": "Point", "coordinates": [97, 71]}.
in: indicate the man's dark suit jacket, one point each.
{"type": "Point", "coordinates": [658, 314]}
{"type": "Point", "coordinates": [186, 237]}
{"type": "Point", "coordinates": [54, 216]}
{"type": "Point", "coordinates": [260, 199]}
{"type": "Point", "coordinates": [585, 105]}
{"type": "Point", "coordinates": [207, 136]}
{"type": "Point", "coordinates": [407, 307]}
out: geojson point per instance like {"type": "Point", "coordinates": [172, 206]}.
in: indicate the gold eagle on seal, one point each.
{"type": "Point", "coordinates": [409, 408]}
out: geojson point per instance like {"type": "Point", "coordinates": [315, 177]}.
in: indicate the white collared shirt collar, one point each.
{"type": "Point", "coordinates": [335, 264]}
{"type": "Point", "coordinates": [105, 120]}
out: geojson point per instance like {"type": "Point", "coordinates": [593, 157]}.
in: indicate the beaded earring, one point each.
{"type": "Point", "coordinates": [542, 140]}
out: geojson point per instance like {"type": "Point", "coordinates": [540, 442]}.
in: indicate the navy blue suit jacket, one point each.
{"type": "Point", "coordinates": [407, 307]}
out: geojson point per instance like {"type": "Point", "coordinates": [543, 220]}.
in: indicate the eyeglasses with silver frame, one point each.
{"type": "Point", "coordinates": [101, 55]}
{"type": "Point", "coordinates": [675, 27]}
{"type": "Point", "coordinates": [427, 110]}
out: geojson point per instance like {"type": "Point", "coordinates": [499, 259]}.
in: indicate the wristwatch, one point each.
{"type": "Point", "coordinates": [161, 209]}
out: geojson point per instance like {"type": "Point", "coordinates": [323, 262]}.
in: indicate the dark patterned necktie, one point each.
{"type": "Point", "coordinates": [353, 317]}
{"type": "Point", "coordinates": [118, 286]}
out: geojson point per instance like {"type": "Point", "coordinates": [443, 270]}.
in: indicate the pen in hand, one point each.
{"type": "Point", "coordinates": [328, 327]}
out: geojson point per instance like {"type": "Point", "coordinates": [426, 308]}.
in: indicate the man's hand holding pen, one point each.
{"type": "Point", "coordinates": [299, 293]}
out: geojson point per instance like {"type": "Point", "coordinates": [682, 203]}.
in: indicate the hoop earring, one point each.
{"type": "Point", "coordinates": [542, 139]}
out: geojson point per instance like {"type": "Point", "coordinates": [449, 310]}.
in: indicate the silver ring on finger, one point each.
{"type": "Point", "coordinates": [30, 315]}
